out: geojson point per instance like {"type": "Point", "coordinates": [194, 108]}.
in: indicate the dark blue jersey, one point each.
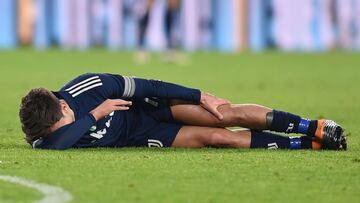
{"type": "Point", "coordinates": [87, 91]}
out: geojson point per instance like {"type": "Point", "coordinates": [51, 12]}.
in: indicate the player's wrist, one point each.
{"type": "Point", "coordinates": [203, 97]}
{"type": "Point", "coordinates": [95, 114]}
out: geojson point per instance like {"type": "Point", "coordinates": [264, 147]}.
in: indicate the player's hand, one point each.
{"type": "Point", "coordinates": [211, 103]}
{"type": "Point", "coordinates": [109, 106]}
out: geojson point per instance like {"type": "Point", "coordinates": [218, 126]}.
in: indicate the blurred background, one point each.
{"type": "Point", "coordinates": [190, 25]}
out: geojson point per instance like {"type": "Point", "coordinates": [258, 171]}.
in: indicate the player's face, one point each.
{"type": "Point", "coordinates": [68, 116]}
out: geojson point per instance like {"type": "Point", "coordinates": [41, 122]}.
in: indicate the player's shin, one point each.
{"type": "Point", "coordinates": [280, 121]}
{"type": "Point", "coordinates": [260, 139]}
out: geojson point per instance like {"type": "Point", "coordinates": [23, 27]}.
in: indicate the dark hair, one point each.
{"type": "Point", "coordinates": [39, 110]}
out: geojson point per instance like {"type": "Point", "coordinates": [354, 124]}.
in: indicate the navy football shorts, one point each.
{"type": "Point", "coordinates": [155, 125]}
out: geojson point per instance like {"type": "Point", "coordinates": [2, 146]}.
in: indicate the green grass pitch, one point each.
{"type": "Point", "coordinates": [312, 85]}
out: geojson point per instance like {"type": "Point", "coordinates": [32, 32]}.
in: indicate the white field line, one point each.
{"type": "Point", "coordinates": [52, 194]}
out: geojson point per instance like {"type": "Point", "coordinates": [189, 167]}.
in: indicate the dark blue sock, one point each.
{"type": "Point", "coordinates": [281, 121]}
{"type": "Point", "coordinates": [260, 139]}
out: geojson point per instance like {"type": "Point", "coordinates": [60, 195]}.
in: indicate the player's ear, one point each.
{"type": "Point", "coordinates": [64, 106]}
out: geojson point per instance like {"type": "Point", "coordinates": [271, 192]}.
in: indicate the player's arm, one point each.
{"type": "Point", "coordinates": [67, 136]}
{"type": "Point", "coordinates": [142, 88]}
{"type": "Point", "coordinates": [156, 88]}
{"type": "Point", "coordinates": [124, 87]}
{"type": "Point", "coordinates": [129, 87]}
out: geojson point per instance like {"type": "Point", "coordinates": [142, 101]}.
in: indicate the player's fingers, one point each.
{"type": "Point", "coordinates": [226, 101]}
{"type": "Point", "coordinates": [120, 102]}
{"type": "Point", "coordinates": [123, 102]}
{"type": "Point", "coordinates": [223, 101]}
{"type": "Point", "coordinates": [121, 108]}
{"type": "Point", "coordinates": [217, 114]}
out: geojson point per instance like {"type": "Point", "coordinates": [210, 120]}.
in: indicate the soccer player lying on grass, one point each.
{"type": "Point", "coordinates": [90, 111]}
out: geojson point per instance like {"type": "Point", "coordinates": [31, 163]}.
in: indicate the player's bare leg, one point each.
{"type": "Point", "coordinates": [245, 115]}
{"type": "Point", "coordinates": [197, 137]}
{"type": "Point", "coordinates": [328, 134]}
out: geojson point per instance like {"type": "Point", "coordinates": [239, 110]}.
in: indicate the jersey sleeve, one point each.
{"type": "Point", "coordinates": [138, 88]}
{"type": "Point", "coordinates": [66, 136]}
